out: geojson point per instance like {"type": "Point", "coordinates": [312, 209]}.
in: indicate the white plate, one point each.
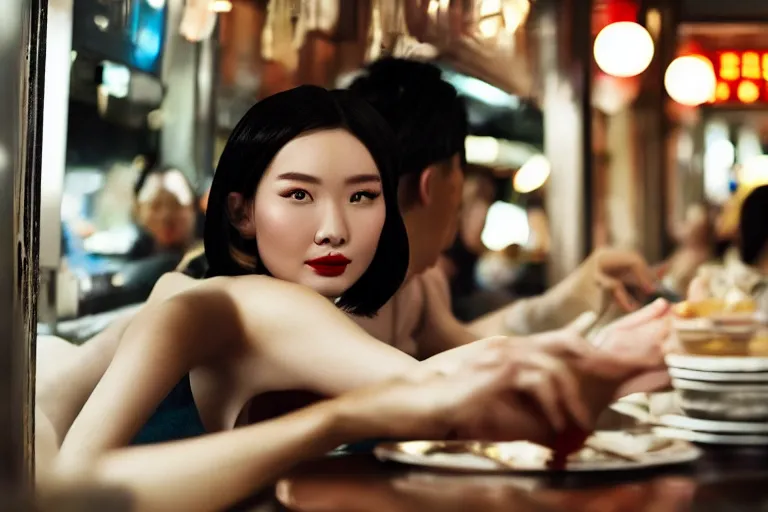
{"type": "Point", "coordinates": [717, 364]}
{"type": "Point", "coordinates": [410, 452]}
{"type": "Point", "coordinates": [709, 438]}
{"type": "Point", "coordinates": [681, 373]}
{"type": "Point", "coordinates": [715, 427]}
{"type": "Point", "coordinates": [719, 387]}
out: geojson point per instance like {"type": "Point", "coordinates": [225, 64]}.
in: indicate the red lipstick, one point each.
{"type": "Point", "coordinates": [332, 265]}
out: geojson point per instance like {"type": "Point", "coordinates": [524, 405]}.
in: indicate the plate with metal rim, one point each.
{"type": "Point", "coordinates": [713, 426]}
{"type": "Point", "coordinates": [703, 376]}
{"type": "Point", "coordinates": [710, 438]}
{"type": "Point", "coordinates": [717, 364]}
{"type": "Point", "coordinates": [720, 387]}
{"type": "Point", "coordinates": [419, 453]}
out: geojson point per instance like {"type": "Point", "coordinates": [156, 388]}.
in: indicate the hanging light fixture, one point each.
{"type": "Point", "coordinates": [690, 80]}
{"type": "Point", "coordinates": [623, 49]}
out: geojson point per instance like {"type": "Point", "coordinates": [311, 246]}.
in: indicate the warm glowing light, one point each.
{"type": "Point", "coordinates": [532, 175]}
{"type": "Point", "coordinates": [750, 65]}
{"type": "Point", "coordinates": [723, 92]}
{"type": "Point", "coordinates": [690, 80]}
{"type": "Point", "coordinates": [221, 6]}
{"type": "Point", "coordinates": [433, 8]}
{"type": "Point", "coordinates": [754, 172]}
{"type": "Point", "coordinates": [720, 154]}
{"type": "Point", "coordinates": [481, 150]}
{"type": "Point", "coordinates": [765, 66]}
{"type": "Point", "coordinates": [505, 224]}
{"type": "Point", "coordinates": [623, 49]}
{"type": "Point", "coordinates": [730, 66]}
{"type": "Point", "coordinates": [748, 92]}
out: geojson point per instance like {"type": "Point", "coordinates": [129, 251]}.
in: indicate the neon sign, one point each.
{"type": "Point", "coordinates": [742, 76]}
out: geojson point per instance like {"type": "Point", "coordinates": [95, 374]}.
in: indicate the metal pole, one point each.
{"type": "Point", "coordinates": [189, 74]}
{"type": "Point", "coordinates": [22, 60]}
{"type": "Point", "coordinates": [54, 153]}
{"type": "Point", "coordinates": [564, 37]}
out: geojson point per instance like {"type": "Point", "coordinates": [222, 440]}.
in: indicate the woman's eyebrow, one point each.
{"type": "Point", "coordinates": [364, 178]}
{"type": "Point", "coordinates": [298, 176]}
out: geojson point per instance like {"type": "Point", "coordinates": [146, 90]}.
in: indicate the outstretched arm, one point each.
{"type": "Point", "coordinates": [215, 471]}
{"type": "Point", "coordinates": [605, 274]}
{"type": "Point", "coordinates": [218, 470]}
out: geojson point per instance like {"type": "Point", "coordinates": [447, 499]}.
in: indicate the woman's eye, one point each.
{"type": "Point", "coordinates": [298, 195]}
{"type": "Point", "coordinates": [359, 197]}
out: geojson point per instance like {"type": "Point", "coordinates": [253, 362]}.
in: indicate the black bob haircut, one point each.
{"type": "Point", "coordinates": [426, 113]}
{"type": "Point", "coordinates": [268, 126]}
{"type": "Point", "coordinates": [753, 225]}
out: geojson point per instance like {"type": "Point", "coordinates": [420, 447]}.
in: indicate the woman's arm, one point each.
{"type": "Point", "coordinates": [64, 385]}
{"type": "Point", "coordinates": [215, 471]}
{"type": "Point", "coordinates": [287, 336]}
{"type": "Point", "coordinates": [218, 470]}
{"type": "Point", "coordinates": [302, 341]}
{"type": "Point", "coordinates": [158, 348]}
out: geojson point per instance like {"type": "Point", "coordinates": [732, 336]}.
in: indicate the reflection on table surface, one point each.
{"type": "Point", "coordinates": [725, 479]}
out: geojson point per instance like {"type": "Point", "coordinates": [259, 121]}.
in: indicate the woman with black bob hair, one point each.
{"type": "Point", "coordinates": [246, 158]}
{"type": "Point", "coordinates": [302, 210]}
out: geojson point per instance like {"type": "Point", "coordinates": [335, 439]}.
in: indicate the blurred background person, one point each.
{"type": "Point", "coordinates": [166, 213]}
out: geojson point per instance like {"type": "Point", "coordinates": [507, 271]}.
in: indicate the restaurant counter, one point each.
{"type": "Point", "coordinates": [726, 479]}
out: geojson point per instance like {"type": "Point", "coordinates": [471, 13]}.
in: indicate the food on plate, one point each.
{"type": "Point", "coordinates": [607, 446]}
{"type": "Point", "coordinates": [712, 307]}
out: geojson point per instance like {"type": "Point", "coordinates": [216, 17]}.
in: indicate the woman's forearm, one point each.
{"type": "Point", "coordinates": [218, 470]}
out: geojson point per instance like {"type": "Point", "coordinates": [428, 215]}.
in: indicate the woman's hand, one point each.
{"type": "Point", "coordinates": [493, 395]}
{"type": "Point", "coordinates": [642, 337]}
{"type": "Point", "coordinates": [639, 336]}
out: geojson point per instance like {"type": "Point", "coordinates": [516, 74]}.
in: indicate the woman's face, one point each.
{"type": "Point", "coordinates": [319, 211]}
{"type": "Point", "coordinates": [166, 209]}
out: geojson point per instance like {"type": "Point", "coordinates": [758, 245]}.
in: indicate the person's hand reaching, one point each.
{"type": "Point", "coordinates": [493, 395]}
{"type": "Point", "coordinates": [615, 271]}
{"type": "Point", "coordinates": [642, 337]}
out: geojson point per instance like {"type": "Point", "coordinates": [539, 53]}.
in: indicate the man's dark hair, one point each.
{"type": "Point", "coordinates": [426, 113]}
{"type": "Point", "coordinates": [753, 226]}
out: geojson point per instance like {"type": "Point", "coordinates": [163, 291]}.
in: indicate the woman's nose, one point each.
{"type": "Point", "coordinates": [333, 228]}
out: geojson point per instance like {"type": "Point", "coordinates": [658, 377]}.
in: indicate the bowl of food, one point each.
{"type": "Point", "coordinates": [714, 327]}
{"type": "Point", "coordinates": [713, 307]}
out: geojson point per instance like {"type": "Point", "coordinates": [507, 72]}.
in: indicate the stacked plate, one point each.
{"type": "Point", "coordinates": [723, 400]}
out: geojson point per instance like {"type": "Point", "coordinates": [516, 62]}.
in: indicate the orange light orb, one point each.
{"type": "Point", "coordinates": [748, 92]}
{"type": "Point", "coordinates": [623, 49]}
{"type": "Point", "coordinates": [690, 80]}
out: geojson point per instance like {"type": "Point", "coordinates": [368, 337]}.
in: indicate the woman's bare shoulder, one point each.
{"type": "Point", "coordinates": [261, 286]}
{"type": "Point", "coordinates": [173, 283]}
{"type": "Point", "coordinates": [264, 297]}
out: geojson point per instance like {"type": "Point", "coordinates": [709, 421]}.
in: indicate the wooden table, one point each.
{"type": "Point", "coordinates": [724, 479]}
